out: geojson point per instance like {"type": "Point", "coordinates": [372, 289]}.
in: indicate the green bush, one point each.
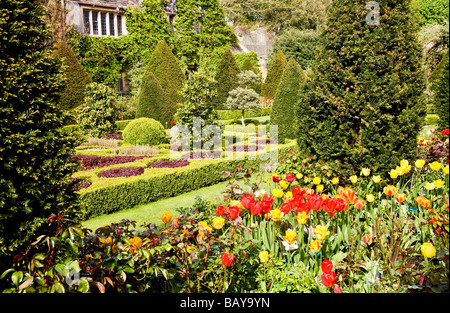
{"type": "Point", "coordinates": [35, 154]}
{"type": "Point", "coordinates": [270, 85]}
{"type": "Point", "coordinates": [76, 77]}
{"type": "Point", "coordinates": [283, 110]}
{"type": "Point", "coordinates": [98, 114]}
{"type": "Point", "coordinates": [433, 11]}
{"type": "Point", "coordinates": [171, 78]}
{"type": "Point", "coordinates": [364, 106]}
{"type": "Point", "coordinates": [152, 101]}
{"type": "Point", "coordinates": [144, 131]}
{"type": "Point", "coordinates": [226, 78]}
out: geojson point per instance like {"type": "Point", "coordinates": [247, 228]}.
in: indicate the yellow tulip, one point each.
{"type": "Point", "coordinates": [376, 179]}
{"type": "Point", "coordinates": [353, 179]}
{"type": "Point", "coordinates": [218, 222]}
{"type": "Point", "coordinates": [394, 174]}
{"type": "Point", "coordinates": [320, 232]}
{"type": "Point", "coordinates": [404, 163]}
{"type": "Point", "coordinates": [445, 170]}
{"type": "Point", "coordinates": [290, 237]}
{"type": "Point", "coordinates": [299, 176]}
{"type": "Point", "coordinates": [190, 249]}
{"type": "Point", "coordinates": [289, 194]}
{"type": "Point", "coordinates": [370, 198]}
{"type": "Point", "coordinates": [335, 181]}
{"type": "Point", "coordinates": [438, 183]}
{"type": "Point", "coordinates": [320, 188]}
{"type": "Point", "coordinates": [365, 171]}
{"type": "Point", "coordinates": [264, 256]}
{"type": "Point", "coordinates": [435, 166]}
{"type": "Point", "coordinates": [283, 184]}
{"type": "Point", "coordinates": [428, 250]}
{"type": "Point", "coordinates": [317, 180]}
{"type": "Point", "coordinates": [302, 217]}
{"type": "Point", "coordinates": [420, 163]}
{"type": "Point", "coordinates": [315, 246]}
{"type": "Point", "coordinates": [277, 193]}
{"type": "Point", "coordinates": [276, 215]}
{"type": "Point", "coordinates": [203, 225]}
{"type": "Point", "coordinates": [429, 186]}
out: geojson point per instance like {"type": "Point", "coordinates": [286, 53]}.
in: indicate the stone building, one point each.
{"type": "Point", "coordinates": [99, 17]}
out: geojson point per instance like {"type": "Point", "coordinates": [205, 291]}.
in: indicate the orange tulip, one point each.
{"type": "Point", "coordinates": [359, 203]}
{"type": "Point", "coordinates": [401, 197]}
{"type": "Point", "coordinates": [166, 217]}
{"type": "Point", "coordinates": [390, 190]}
{"type": "Point", "coordinates": [422, 201]}
{"type": "Point", "coordinates": [348, 194]}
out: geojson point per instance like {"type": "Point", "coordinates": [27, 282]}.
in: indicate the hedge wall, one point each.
{"type": "Point", "coordinates": [237, 114]}
{"type": "Point", "coordinates": [126, 193]}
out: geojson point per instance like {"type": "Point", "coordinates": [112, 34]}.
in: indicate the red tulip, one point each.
{"type": "Point", "coordinates": [285, 208]}
{"type": "Point", "coordinates": [366, 238]}
{"type": "Point", "coordinates": [314, 202]}
{"type": "Point", "coordinates": [220, 210]}
{"type": "Point", "coordinates": [247, 200]}
{"type": "Point", "coordinates": [328, 279]}
{"type": "Point", "coordinates": [227, 258]}
{"type": "Point", "coordinates": [232, 212]}
{"type": "Point", "coordinates": [359, 203]}
{"type": "Point", "coordinates": [327, 266]}
{"type": "Point", "coordinates": [337, 289]}
{"type": "Point", "coordinates": [275, 179]}
{"type": "Point", "coordinates": [290, 178]}
{"type": "Point", "coordinates": [172, 122]}
{"type": "Point", "coordinates": [298, 192]}
{"type": "Point", "coordinates": [255, 208]}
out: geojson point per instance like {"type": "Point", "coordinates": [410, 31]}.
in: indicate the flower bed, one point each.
{"type": "Point", "coordinates": [122, 172]}
{"type": "Point", "coordinates": [169, 164]}
{"type": "Point", "coordinates": [245, 148]}
{"type": "Point", "coordinates": [92, 161]}
{"type": "Point", "coordinates": [202, 155]}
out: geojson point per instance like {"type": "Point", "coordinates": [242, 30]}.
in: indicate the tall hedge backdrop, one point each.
{"type": "Point", "coordinates": [364, 104]}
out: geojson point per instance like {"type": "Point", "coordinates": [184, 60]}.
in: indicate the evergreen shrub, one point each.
{"type": "Point", "coordinates": [270, 85]}
{"type": "Point", "coordinates": [144, 131]}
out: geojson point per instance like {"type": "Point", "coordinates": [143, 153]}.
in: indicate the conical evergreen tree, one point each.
{"type": "Point", "coordinates": [270, 85]}
{"type": "Point", "coordinates": [364, 105]}
{"type": "Point", "coordinates": [226, 78]}
{"type": "Point", "coordinates": [76, 77]}
{"type": "Point", "coordinates": [283, 110]}
{"type": "Point", "coordinates": [441, 93]}
{"type": "Point", "coordinates": [248, 66]}
{"type": "Point", "coordinates": [166, 70]}
{"type": "Point", "coordinates": [151, 99]}
{"type": "Point", "coordinates": [35, 154]}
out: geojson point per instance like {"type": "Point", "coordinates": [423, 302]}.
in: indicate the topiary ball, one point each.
{"type": "Point", "coordinates": [144, 131]}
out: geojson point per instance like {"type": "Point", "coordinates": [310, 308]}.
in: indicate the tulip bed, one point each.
{"type": "Point", "coordinates": [299, 228]}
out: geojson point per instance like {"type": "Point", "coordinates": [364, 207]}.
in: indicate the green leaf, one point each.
{"type": "Point", "coordinates": [6, 272]}
{"type": "Point", "coordinates": [59, 288]}
{"type": "Point", "coordinates": [17, 277]}
{"type": "Point", "coordinates": [62, 269]}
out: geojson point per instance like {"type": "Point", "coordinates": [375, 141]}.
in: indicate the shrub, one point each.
{"type": "Point", "coordinates": [35, 175]}
{"type": "Point", "coordinates": [165, 68]}
{"type": "Point", "coordinates": [144, 131]}
{"type": "Point", "coordinates": [169, 164]}
{"type": "Point", "coordinates": [122, 172]}
{"type": "Point", "coordinates": [226, 78]}
{"type": "Point", "coordinates": [76, 77]}
{"type": "Point", "coordinates": [97, 115]}
{"type": "Point", "coordinates": [198, 94]}
{"type": "Point", "coordinates": [270, 85]}
{"type": "Point", "coordinates": [364, 105]}
{"type": "Point", "coordinates": [433, 11]}
{"type": "Point", "coordinates": [283, 110]}
{"type": "Point", "coordinates": [152, 101]}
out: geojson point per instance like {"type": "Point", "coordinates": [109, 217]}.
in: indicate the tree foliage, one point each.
{"type": "Point", "coordinates": [166, 70]}
{"type": "Point", "coordinates": [364, 105]}
{"type": "Point", "coordinates": [152, 101]}
{"type": "Point", "coordinates": [98, 114]}
{"type": "Point", "coordinates": [270, 85]}
{"type": "Point", "coordinates": [278, 15]}
{"type": "Point", "coordinates": [76, 77]}
{"type": "Point", "coordinates": [226, 78]}
{"type": "Point", "coordinates": [283, 110]}
{"type": "Point", "coordinates": [35, 154]}
{"type": "Point", "coordinates": [441, 92]}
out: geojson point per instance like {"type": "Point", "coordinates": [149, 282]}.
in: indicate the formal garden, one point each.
{"type": "Point", "coordinates": [330, 174]}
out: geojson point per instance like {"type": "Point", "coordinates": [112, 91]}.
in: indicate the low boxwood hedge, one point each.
{"type": "Point", "coordinates": [107, 196]}
{"type": "Point", "coordinates": [236, 114]}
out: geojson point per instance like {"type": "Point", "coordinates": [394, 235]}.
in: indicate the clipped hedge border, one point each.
{"type": "Point", "coordinates": [236, 114]}
{"type": "Point", "coordinates": [117, 197]}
